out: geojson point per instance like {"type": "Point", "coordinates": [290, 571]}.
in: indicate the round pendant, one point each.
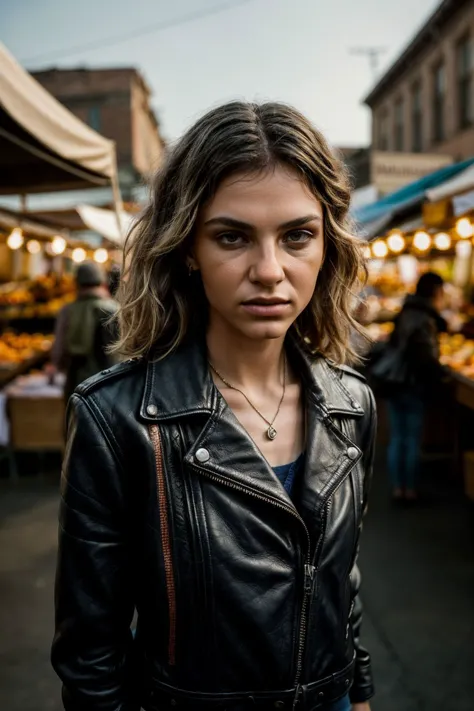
{"type": "Point", "coordinates": [271, 432]}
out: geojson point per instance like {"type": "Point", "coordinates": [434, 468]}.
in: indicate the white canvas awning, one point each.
{"type": "Point", "coordinates": [105, 222]}
{"type": "Point", "coordinates": [43, 146]}
{"type": "Point", "coordinates": [459, 184]}
{"type": "Point", "coordinates": [10, 219]}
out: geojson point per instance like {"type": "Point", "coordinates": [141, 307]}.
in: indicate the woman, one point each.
{"type": "Point", "coordinates": [215, 482]}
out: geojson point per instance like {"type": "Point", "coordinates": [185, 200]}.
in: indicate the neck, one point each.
{"type": "Point", "coordinates": [246, 363]}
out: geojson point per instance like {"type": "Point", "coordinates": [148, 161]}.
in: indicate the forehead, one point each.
{"type": "Point", "coordinates": [279, 193]}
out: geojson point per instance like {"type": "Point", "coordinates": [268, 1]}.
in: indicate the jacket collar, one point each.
{"type": "Point", "coordinates": [181, 385]}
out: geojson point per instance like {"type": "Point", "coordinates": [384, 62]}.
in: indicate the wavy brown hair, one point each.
{"type": "Point", "coordinates": [160, 304]}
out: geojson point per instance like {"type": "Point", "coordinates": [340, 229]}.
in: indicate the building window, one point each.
{"type": "Point", "coordinates": [93, 118]}
{"type": "Point", "coordinates": [439, 93]}
{"type": "Point", "coordinates": [416, 119]}
{"type": "Point", "coordinates": [398, 126]}
{"type": "Point", "coordinates": [465, 90]}
{"type": "Point", "coordinates": [383, 131]}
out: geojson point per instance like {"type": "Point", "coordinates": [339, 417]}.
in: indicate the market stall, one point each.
{"type": "Point", "coordinates": [35, 281]}
{"type": "Point", "coordinates": [430, 226]}
{"type": "Point", "coordinates": [43, 148]}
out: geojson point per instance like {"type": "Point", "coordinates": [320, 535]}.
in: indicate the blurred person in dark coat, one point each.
{"type": "Point", "coordinates": [409, 373]}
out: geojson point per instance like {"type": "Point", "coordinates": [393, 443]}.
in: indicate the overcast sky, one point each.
{"type": "Point", "coordinates": [297, 51]}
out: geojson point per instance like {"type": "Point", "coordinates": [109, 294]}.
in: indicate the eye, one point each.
{"type": "Point", "coordinates": [231, 239]}
{"type": "Point", "coordinates": [298, 237]}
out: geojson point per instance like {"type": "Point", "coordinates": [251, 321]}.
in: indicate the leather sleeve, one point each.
{"type": "Point", "coordinates": [94, 605]}
{"type": "Point", "coordinates": [363, 686]}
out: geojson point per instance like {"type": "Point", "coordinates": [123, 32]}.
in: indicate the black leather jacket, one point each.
{"type": "Point", "coordinates": [170, 509]}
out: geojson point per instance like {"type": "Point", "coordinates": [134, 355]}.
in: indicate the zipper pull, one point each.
{"type": "Point", "coordinates": [296, 700]}
{"type": "Point", "coordinates": [309, 571]}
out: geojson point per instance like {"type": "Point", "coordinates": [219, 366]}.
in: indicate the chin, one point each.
{"type": "Point", "coordinates": [265, 331]}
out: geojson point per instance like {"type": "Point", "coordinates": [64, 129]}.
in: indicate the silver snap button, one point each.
{"type": "Point", "coordinates": [202, 455]}
{"type": "Point", "coordinates": [346, 682]}
{"type": "Point", "coordinates": [355, 405]}
{"type": "Point", "coordinates": [321, 694]}
{"type": "Point", "coordinates": [152, 410]}
{"type": "Point", "coordinates": [352, 453]}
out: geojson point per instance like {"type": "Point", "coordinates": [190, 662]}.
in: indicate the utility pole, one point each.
{"type": "Point", "coordinates": [373, 54]}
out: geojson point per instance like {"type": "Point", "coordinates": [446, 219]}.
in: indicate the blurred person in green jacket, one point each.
{"type": "Point", "coordinates": [85, 329]}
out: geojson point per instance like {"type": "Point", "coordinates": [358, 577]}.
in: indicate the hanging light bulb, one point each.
{"type": "Point", "coordinates": [15, 239]}
{"type": "Point", "coordinates": [396, 242]}
{"type": "Point", "coordinates": [78, 255]}
{"type": "Point", "coordinates": [422, 241]}
{"type": "Point", "coordinates": [101, 256]}
{"type": "Point", "coordinates": [58, 245]}
{"type": "Point", "coordinates": [379, 249]}
{"type": "Point", "coordinates": [366, 252]}
{"type": "Point", "coordinates": [33, 246]}
{"type": "Point", "coordinates": [442, 241]}
{"type": "Point", "coordinates": [464, 228]}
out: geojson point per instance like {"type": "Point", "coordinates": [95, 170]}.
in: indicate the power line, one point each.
{"type": "Point", "coordinates": [373, 54]}
{"type": "Point", "coordinates": [140, 32]}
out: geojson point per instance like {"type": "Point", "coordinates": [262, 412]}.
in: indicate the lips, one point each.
{"type": "Point", "coordinates": [265, 302]}
{"type": "Point", "coordinates": [266, 307]}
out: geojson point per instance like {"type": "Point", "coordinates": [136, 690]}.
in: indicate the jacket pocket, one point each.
{"type": "Point", "coordinates": [165, 541]}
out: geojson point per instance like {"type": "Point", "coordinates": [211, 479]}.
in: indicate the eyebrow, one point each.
{"type": "Point", "coordinates": [231, 222]}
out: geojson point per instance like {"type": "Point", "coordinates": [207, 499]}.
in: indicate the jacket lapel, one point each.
{"type": "Point", "coordinates": [181, 387]}
{"type": "Point", "coordinates": [234, 458]}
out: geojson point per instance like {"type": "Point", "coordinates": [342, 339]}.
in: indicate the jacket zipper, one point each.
{"type": "Point", "coordinates": [309, 569]}
{"type": "Point", "coordinates": [165, 542]}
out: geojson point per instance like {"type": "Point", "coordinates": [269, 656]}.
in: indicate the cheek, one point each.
{"type": "Point", "coordinates": [220, 278]}
{"type": "Point", "coordinates": [306, 281]}
{"type": "Point", "coordinates": [306, 270]}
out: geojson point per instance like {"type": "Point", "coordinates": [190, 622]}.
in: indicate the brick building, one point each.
{"type": "Point", "coordinates": [116, 103]}
{"type": "Point", "coordinates": [357, 160]}
{"type": "Point", "coordinates": [424, 103]}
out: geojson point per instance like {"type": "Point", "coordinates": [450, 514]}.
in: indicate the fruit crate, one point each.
{"type": "Point", "coordinates": [36, 424]}
{"type": "Point", "coordinates": [36, 412]}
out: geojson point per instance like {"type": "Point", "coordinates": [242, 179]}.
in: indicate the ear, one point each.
{"type": "Point", "coordinates": [191, 264]}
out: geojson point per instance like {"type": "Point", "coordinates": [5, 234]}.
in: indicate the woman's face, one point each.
{"type": "Point", "coordinates": [259, 246]}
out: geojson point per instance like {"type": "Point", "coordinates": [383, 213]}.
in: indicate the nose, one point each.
{"type": "Point", "coordinates": [266, 267]}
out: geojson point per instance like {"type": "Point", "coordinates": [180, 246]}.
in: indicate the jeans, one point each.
{"type": "Point", "coordinates": [406, 415]}
{"type": "Point", "coordinates": [341, 705]}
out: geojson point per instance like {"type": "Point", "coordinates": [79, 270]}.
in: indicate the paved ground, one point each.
{"type": "Point", "coordinates": [418, 571]}
{"type": "Point", "coordinates": [418, 568]}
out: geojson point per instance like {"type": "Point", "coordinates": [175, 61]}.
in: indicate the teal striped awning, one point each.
{"type": "Point", "coordinates": [372, 219]}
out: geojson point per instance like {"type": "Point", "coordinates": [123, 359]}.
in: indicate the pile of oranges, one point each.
{"type": "Point", "coordinates": [457, 352]}
{"type": "Point", "coordinates": [16, 348]}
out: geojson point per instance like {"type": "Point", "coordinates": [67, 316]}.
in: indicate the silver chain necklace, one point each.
{"type": "Point", "coordinates": [271, 431]}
